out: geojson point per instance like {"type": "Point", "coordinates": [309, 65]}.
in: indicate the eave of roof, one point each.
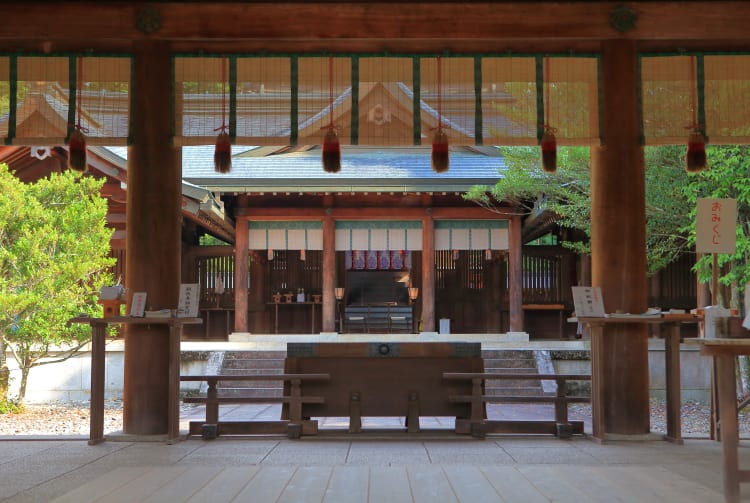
{"type": "Point", "coordinates": [363, 169]}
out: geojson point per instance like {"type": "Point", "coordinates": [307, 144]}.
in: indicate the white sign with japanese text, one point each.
{"type": "Point", "coordinates": [587, 301]}
{"type": "Point", "coordinates": [716, 225]}
{"type": "Point", "coordinates": [138, 304]}
{"type": "Point", "coordinates": [187, 306]}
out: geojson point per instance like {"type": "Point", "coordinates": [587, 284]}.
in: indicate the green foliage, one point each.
{"type": "Point", "coordinates": [209, 240]}
{"type": "Point", "coordinates": [8, 406]}
{"type": "Point", "coordinates": [528, 188]}
{"type": "Point", "coordinates": [728, 176]}
{"type": "Point", "coordinates": [54, 257]}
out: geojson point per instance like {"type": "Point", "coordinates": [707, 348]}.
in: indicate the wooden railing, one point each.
{"type": "Point", "coordinates": [478, 426]}
{"type": "Point", "coordinates": [294, 427]}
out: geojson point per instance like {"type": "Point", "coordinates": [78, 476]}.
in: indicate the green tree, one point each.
{"type": "Point", "coordinates": [54, 257]}
{"type": "Point", "coordinates": [728, 176]}
{"type": "Point", "coordinates": [529, 189]}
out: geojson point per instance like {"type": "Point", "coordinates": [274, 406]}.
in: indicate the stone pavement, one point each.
{"type": "Point", "coordinates": [382, 464]}
{"type": "Point", "coordinates": [364, 469]}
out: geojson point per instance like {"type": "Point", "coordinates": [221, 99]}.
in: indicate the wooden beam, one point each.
{"type": "Point", "coordinates": [94, 23]}
{"type": "Point", "coordinates": [380, 213]}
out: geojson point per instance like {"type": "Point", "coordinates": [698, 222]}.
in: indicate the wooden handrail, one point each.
{"type": "Point", "coordinates": [478, 400]}
{"type": "Point", "coordinates": [294, 399]}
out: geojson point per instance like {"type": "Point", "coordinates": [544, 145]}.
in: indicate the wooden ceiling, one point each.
{"type": "Point", "coordinates": [410, 26]}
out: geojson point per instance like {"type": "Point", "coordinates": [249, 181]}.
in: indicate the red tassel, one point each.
{"type": "Point", "coordinates": [695, 159]}
{"type": "Point", "coordinates": [331, 152]}
{"type": "Point", "coordinates": [440, 156]}
{"type": "Point", "coordinates": [223, 153]}
{"type": "Point", "coordinates": [549, 151]}
{"type": "Point", "coordinates": [77, 151]}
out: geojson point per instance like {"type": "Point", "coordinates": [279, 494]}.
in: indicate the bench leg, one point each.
{"type": "Point", "coordinates": [355, 413]}
{"type": "Point", "coordinates": [412, 417]}
{"type": "Point", "coordinates": [209, 431]}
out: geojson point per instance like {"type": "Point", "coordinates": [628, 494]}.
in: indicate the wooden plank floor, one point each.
{"type": "Point", "coordinates": [393, 484]}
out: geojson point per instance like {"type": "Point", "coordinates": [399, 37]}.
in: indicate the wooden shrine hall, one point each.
{"type": "Point", "coordinates": [610, 75]}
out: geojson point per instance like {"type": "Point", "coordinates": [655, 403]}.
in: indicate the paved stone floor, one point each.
{"type": "Point", "coordinates": [384, 464]}
{"type": "Point", "coordinates": [384, 468]}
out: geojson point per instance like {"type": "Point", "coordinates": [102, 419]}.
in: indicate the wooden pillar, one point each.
{"type": "Point", "coordinates": [515, 275]}
{"type": "Point", "coordinates": [702, 290]}
{"type": "Point", "coordinates": [241, 273]}
{"type": "Point", "coordinates": [329, 275]}
{"type": "Point", "coordinates": [618, 241]}
{"type": "Point", "coordinates": [154, 201]}
{"type": "Point", "coordinates": [428, 274]}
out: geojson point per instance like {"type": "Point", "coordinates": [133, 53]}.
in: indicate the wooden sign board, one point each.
{"type": "Point", "coordinates": [716, 225]}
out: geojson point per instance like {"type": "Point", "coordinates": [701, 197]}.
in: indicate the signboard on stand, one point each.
{"type": "Point", "coordinates": [189, 298]}
{"type": "Point", "coordinates": [716, 225]}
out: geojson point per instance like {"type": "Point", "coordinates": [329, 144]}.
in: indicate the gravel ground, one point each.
{"type": "Point", "coordinates": [73, 418]}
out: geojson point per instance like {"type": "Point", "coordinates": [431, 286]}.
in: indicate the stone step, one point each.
{"type": "Point", "coordinates": [503, 363]}
{"type": "Point", "coordinates": [265, 362]}
{"type": "Point", "coordinates": [250, 364]}
{"type": "Point", "coordinates": [511, 354]}
{"type": "Point", "coordinates": [251, 392]}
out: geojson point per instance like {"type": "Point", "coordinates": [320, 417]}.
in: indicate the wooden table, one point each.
{"type": "Point", "coordinates": [98, 334]}
{"type": "Point", "coordinates": [276, 312]}
{"type": "Point", "coordinates": [724, 353]}
{"type": "Point", "coordinates": [672, 323]}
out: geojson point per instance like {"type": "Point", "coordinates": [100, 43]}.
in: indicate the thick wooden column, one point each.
{"type": "Point", "coordinates": [329, 275]}
{"type": "Point", "coordinates": [515, 276]}
{"type": "Point", "coordinates": [153, 238]}
{"type": "Point", "coordinates": [241, 273]}
{"type": "Point", "coordinates": [618, 242]}
{"type": "Point", "coordinates": [428, 275]}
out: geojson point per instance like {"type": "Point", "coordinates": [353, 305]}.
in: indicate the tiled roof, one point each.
{"type": "Point", "coordinates": [404, 169]}
{"type": "Point", "coordinates": [362, 169]}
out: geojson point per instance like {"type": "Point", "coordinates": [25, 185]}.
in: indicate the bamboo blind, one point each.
{"type": "Point", "coordinates": [44, 97]}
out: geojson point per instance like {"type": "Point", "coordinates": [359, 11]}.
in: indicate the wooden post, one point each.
{"type": "Point", "coordinates": [154, 201]}
{"type": "Point", "coordinates": [428, 274]}
{"type": "Point", "coordinates": [618, 243]}
{"type": "Point", "coordinates": [96, 418]}
{"type": "Point", "coordinates": [241, 273]}
{"type": "Point", "coordinates": [515, 267]}
{"type": "Point", "coordinates": [328, 323]}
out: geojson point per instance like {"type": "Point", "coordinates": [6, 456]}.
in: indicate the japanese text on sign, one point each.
{"type": "Point", "coordinates": [716, 225]}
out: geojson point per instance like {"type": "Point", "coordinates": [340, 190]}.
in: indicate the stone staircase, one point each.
{"type": "Point", "coordinates": [252, 362]}
{"type": "Point", "coordinates": [269, 362]}
{"type": "Point", "coordinates": [520, 361]}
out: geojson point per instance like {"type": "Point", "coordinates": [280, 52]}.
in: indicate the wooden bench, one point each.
{"type": "Point", "coordinates": [378, 319]}
{"type": "Point", "coordinates": [294, 427]}
{"type": "Point", "coordinates": [478, 426]}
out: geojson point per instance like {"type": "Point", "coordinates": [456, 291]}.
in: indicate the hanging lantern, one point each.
{"type": "Point", "coordinates": [302, 255]}
{"type": "Point", "coordinates": [695, 159]}
{"type": "Point", "coordinates": [440, 157]}
{"type": "Point", "coordinates": [549, 151]}
{"type": "Point", "coordinates": [331, 152]}
{"type": "Point", "coordinates": [77, 151]}
{"type": "Point", "coordinates": [487, 254]}
{"type": "Point", "coordinates": [270, 254]}
{"type": "Point", "coordinates": [223, 153]}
